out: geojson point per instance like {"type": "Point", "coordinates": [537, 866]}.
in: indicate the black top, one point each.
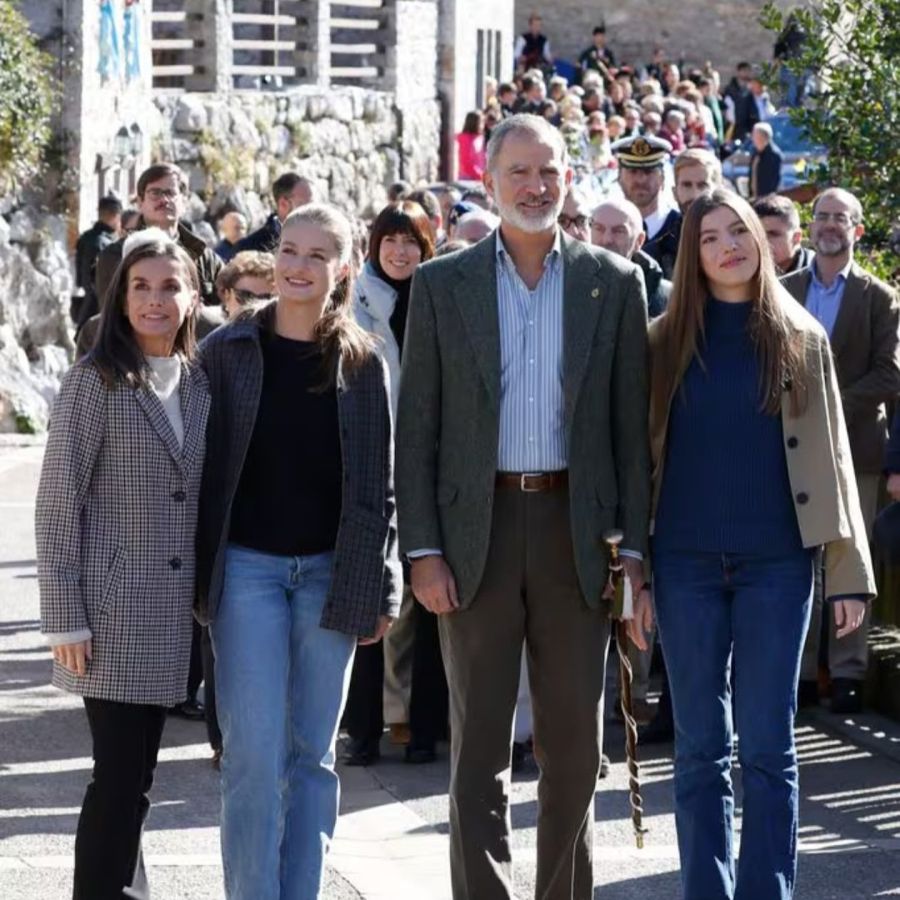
{"type": "Point", "coordinates": [288, 499]}
{"type": "Point", "coordinates": [265, 239]}
{"type": "Point", "coordinates": [401, 306]}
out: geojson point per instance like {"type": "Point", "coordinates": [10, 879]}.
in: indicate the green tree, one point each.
{"type": "Point", "coordinates": [26, 100]}
{"type": "Point", "coordinates": [851, 50]}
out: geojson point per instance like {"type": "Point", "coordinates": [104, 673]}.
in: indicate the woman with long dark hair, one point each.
{"type": "Point", "coordinates": [752, 472]}
{"type": "Point", "coordinates": [296, 549]}
{"type": "Point", "coordinates": [415, 691]}
{"type": "Point", "coordinates": [116, 518]}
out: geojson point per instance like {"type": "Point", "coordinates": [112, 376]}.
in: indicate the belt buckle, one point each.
{"type": "Point", "coordinates": [522, 485]}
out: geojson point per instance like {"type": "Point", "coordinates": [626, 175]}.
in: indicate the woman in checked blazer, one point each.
{"type": "Point", "coordinates": [115, 525]}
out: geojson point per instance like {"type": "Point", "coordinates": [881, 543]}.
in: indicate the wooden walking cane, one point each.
{"type": "Point", "coordinates": [622, 611]}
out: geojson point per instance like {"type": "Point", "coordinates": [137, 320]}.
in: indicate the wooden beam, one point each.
{"type": "Point", "coordinates": [356, 24]}
{"type": "Point", "coordinates": [354, 49]}
{"type": "Point", "coordinates": [264, 70]}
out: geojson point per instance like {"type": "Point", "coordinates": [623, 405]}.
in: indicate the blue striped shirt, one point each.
{"type": "Point", "coordinates": [532, 422]}
{"type": "Point", "coordinates": [825, 302]}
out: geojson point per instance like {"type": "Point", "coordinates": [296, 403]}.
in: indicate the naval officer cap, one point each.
{"type": "Point", "coordinates": [642, 152]}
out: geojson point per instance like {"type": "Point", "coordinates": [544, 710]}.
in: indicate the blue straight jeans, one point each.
{"type": "Point", "coordinates": [281, 682]}
{"type": "Point", "coordinates": [715, 612]}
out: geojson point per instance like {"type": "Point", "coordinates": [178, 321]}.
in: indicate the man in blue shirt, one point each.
{"type": "Point", "coordinates": [862, 317]}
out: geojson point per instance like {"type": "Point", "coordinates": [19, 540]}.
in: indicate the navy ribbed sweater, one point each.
{"type": "Point", "coordinates": [725, 485]}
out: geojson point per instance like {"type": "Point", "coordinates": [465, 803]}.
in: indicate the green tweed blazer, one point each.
{"type": "Point", "coordinates": [449, 409]}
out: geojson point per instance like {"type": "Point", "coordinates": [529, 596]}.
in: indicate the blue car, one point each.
{"type": "Point", "coordinates": [801, 157]}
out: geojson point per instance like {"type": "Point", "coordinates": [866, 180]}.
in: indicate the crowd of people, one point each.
{"type": "Point", "coordinates": [382, 481]}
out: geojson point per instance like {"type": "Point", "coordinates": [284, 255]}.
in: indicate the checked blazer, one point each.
{"type": "Point", "coordinates": [115, 526]}
{"type": "Point", "coordinates": [366, 578]}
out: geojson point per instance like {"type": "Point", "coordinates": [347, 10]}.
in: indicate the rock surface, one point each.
{"type": "Point", "coordinates": [35, 342]}
{"type": "Point", "coordinates": [345, 139]}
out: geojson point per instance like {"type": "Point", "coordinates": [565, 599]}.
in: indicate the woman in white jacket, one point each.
{"type": "Point", "coordinates": [400, 239]}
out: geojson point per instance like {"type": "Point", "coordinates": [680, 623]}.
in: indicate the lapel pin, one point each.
{"type": "Point", "coordinates": [595, 292]}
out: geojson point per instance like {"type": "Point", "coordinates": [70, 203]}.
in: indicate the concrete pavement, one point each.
{"type": "Point", "coordinates": [392, 835]}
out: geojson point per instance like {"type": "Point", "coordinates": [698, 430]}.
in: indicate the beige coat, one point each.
{"type": "Point", "coordinates": [819, 465]}
{"type": "Point", "coordinates": [866, 346]}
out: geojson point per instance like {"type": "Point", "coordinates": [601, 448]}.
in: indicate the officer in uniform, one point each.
{"type": "Point", "coordinates": [642, 179]}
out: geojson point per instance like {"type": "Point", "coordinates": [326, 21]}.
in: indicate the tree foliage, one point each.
{"type": "Point", "coordinates": [851, 52]}
{"type": "Point", "coordinates": [26, 100]}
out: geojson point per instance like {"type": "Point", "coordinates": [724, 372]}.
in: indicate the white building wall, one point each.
{"type": "Point", "coordinates": [461, 22]}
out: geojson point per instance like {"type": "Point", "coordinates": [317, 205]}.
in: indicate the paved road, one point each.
{"type": "Point", "coordinates": [392, 835]}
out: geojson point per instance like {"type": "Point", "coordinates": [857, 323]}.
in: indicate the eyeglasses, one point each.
{"type": "Point", "coordinates": [244, 297]}
{"type": "Point", "coordinates": [569, 221]}
{"type": "Point", "coordinates": [840, 218]}
{"type": "Point", "coordinates": [162, 193]}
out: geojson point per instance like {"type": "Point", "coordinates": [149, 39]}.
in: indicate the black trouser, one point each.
{"type": "Point", "coordinates": [126, 738]}
{"type": "Point", "coordinates": [429, 701]}
{"type": "Point", "coordinates": [428, 708]}
{"type": "Point", "coordinates": [209, 691]}
{"type": "Point", "coordinates": [364, 712]}
{"type": "Point", "coordinates": [195, 672]}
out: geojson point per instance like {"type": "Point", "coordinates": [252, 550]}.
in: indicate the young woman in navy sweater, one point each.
{"type": "Point", "coordinates": [752, 472]}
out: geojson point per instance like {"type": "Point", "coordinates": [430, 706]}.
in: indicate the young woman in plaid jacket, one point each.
{"type": "Point", "coordinates": [297, 557]}
{"type": "Point", "coordinates": [115, 525]}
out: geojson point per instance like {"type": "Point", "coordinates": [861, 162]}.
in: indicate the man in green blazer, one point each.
{"type": "Point", "coordinates": [521, 440]}
{"type": "Point", "coordinates": [862, 317]}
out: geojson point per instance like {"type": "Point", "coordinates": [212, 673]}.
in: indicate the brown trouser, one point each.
{"type": "Point", "coordinates": [529, 592]}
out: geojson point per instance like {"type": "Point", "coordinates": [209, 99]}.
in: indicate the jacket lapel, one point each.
{"type": "Point", "coordinates": [851, 305]}
{"type": "Point", "coordinates": [476, 298]}
{"type": "Point", "coordinates": [156, 414]}
{"type": "Point", "coordinates": [584, 287]}
{"type": "Point", "coordinates": [195, 404]}
{"type": "Point", "coordinates": [798, 285]}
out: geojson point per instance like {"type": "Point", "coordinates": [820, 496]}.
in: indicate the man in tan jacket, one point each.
{"type": "Point", "coordinates": [862, 317]}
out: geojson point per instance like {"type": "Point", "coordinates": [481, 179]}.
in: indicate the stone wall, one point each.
{"type": "Point", "coordinates": [412, 70]}
{"type": "Point", "coordinates": [350, 141]}
{"type": "Point", "coordinates": [721, 31]}
{"type": "Point", "coordinates": [35, 284]}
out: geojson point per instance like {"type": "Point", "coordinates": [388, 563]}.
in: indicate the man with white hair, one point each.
{"type": "Point", "coordinates": [765, 162]}
{"type": "Point", "coordinates": [617, 226]}
{"type": "Point", "coordinates": [521, 441]}
{"type": "Point", "coordinates": [475, 225]}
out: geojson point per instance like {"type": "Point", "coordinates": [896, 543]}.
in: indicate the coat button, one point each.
{"type": "Point", "coordinates": [179, 496]}
{"type": "Point", "coordinates": [175, 562]}
{"type": "Point", "coordinates": [792, 442]}
{"type": "Point", "coordinates": [802, 498]}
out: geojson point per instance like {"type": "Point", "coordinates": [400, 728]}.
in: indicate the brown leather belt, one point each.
{"type": "Point", "coordinates": [533, 482]}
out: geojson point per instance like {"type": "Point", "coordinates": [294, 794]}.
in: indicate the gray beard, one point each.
{"type": "Point", "coordinates": [840, 246]}
{"type": "Point", "coordinates": [530, 225]}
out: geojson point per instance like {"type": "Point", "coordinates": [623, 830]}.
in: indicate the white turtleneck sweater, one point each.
{"type": "Point", "coordinates": [165, 379]}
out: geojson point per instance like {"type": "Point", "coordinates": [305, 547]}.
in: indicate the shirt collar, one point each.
{"type": "Point", "coordinates": [553, 254]}
{"type": "Point", "coordinates": [840, 279]}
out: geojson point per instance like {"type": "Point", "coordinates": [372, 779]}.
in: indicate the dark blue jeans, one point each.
{"type": "Point", "coordinates": [716, 611]}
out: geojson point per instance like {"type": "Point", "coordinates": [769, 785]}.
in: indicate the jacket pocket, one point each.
{"type": "Point", "coordinates": [358, 572]}
{"type": "Point", "coordinates": [113, 580]}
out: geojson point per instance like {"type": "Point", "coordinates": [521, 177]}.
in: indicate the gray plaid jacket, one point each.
{"type": "Point", "coordinates": [366, 577]}
{"type": "Point", "coordinates": [115, 525]}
